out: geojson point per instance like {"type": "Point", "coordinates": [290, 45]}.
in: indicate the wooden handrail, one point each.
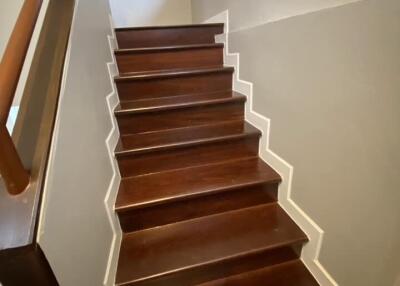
{"type": "Point", "coordinates": [15, 177]}
{"type": "Point", "coordinates": [34, 130]}
{"type": "Point", "coordinates": [12, 170]}
{"type": "Point", "coordinates": [15, 53]}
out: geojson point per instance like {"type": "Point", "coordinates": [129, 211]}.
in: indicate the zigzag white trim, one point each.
{"type": "Point", "coordinates": [111, 143]}
{"type": "Point", "coordinates": [311, 250]}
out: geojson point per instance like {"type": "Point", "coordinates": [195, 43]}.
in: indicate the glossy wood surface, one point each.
{"type": "Point", "coordinates": [167, 36]}
{"type": "Point", "coordinates": [193, 182]}
{"type": "Point", "coordinates": [193, 243]}
{"type": "Point", "coordinates": [196, 203]}
{"type": "Point", "coordinates": [178, 158]}
{"type": "Point", "coordinates": [173, 83]}
{"type": "Point", "coordinates": [178, 57]}
{"type": "Point", "coordinates": [276, 275]}
{"type": "Point", "coordinates": [220, 269]}
{"type": "Point", "coordinates": [193, 114]}
{"type": "Point", "coordinates": [187, 136]}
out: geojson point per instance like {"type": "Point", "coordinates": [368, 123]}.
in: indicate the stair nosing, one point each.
{"type": "Point", "coordinates": [168, 48]}
{"type": "Point", "coordinates": [298, 240]}
{"type": "Point", "coordinates": [179, 198]}
{"type": "Point", "coordinates": [197, 166]}
{"type": "Point", "coordinates": [180, 95]}
{"type": "Point", "coordinates": [184, 127]}
{"type": "Point", "coordinates": [219, 260]}
{"type": "Point", "coordinates": [272, 267]}
{"type": "Point", "coordinates": [120, 29]}
{"type": "Point", "coordinates": [172, 74]}
{"type": "Point", "coordinates": [218, 101]}
{"type": "Point", "coordinates": [189, 143]}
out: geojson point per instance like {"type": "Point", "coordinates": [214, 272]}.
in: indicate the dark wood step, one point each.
{"type": "Point", "coordinates": [165, 102]}
{"type": "Point", "coordinates": [205, 243]}
{"type": "Point", "coordinates": [172, 138]}
{"type": "Point", "coordinates": [167, 35]}
{"type": "Point", "coordinates": [197, 206]}
{"type": "Point", "coordinates": [176, 102]}
{"type": "Point", "coordinates": [165, 58]}
{"type": "Point", "coordinates": [173, 83]}
{"type": "Point", "coordinates": [186, 111]}
{"type": "Point", "coordinates": [292, 273]}
{"type": "Point", "coordinates": [166, 197]}
{"type": "Point", "coordinates": [203, 153]}
{"type": "Point", "coordinates": [220, 269]}
{"type": "Point", "coordinates": [182, 184]}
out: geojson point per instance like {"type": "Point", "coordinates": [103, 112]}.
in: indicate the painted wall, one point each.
{"type": "Point", "coordinates": [250, 13]}
{"type": "Point", "coordinates": [131, 13]}
{"type": "Point", "coordinates": [75, 232]}
{"type": "Point", "coordinates": [329, 82]}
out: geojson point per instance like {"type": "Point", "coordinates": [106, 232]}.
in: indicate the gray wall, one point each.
{"type": "Point", "coordinates": [250, 13]}
{"type": "Point", "coordinates": [9, 11]}
{"type": "Point", "coordinates": [75, 232]}
{"type": "Point", "coordinates": [130, 13]}
{"type": "Point", "coordinates": [330, 82]}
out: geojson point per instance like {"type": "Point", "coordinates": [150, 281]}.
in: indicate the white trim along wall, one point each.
{"type": "Point", "coordinates": [311, 251]}
{"type": "Point", "coordinates": [111, 142]}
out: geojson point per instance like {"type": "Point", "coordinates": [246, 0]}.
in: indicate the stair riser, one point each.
{"type": "Point", "coordinates": [172, 86]}
{"type": "Point", "coordinates": [194, 207]}
{"type": "Point", "coordinates": [188, 156]}
{"type": "Point", "coordinates": [182, 117]}
{"type": "Point", "coordinates": [167, 37]}
{"type": "Point", "coordinates": [170, 59]}
{"type": "Point", "coordinates": [210, 272]}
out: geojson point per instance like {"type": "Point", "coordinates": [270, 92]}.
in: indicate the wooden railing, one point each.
{"type": "Point", "coordinates": [14, 174]}
{"type": "Point", "coordinates": [32, 135]}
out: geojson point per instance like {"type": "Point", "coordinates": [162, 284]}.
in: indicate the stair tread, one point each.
{"type": "Point", "coordinates": [167, 249]}
{"type": "Point", "coordinates": [167, 48]}
{"type": "Point", "coordinates": [171, 73]}
{"type": "Point", "coordinates": [159, 140]}
{"type": "Point", "coordinates": [196, 202]}
{"type": "Point", "coordinates": [181, 101]}
{"type": "Point", "coordinates": [285, 274]}
{"type": "Point", "coordinates": [170, 26]}
{"type": "Point", "coordinates": [148, 190]}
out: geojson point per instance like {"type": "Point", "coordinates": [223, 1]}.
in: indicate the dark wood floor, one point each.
{"type": "Point", "coordinates": [196, 204]}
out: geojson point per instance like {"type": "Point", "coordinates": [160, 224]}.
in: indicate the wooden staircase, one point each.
{"type": "Point", "coordinates": [196, 204]}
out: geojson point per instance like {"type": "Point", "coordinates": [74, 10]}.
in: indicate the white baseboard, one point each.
{"type": "Point", "coordinates": [311, 250]}
{"type": "Point", "coordinates": [111, 142]}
